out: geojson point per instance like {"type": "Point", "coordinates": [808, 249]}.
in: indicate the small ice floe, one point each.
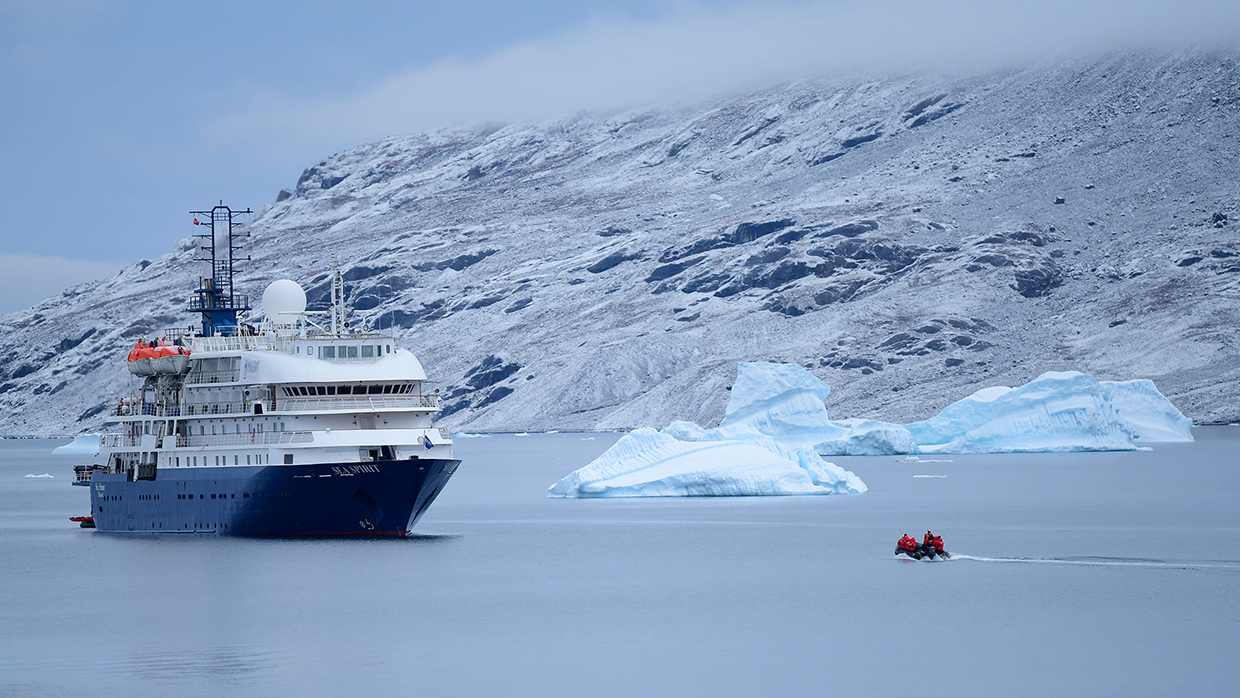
{"type": "Point", "coordinates": [588, 438]}
{"type": "Point", "coordinates": [523, 433]}
{"type": "Point", "coordinates": [465, 435]}
{"type": "Point", "coordinates": [83, 444]}
{"type": "Point", "coordinates": [915, 459]}
{"type": "Point", "coordinates": [44, 476]}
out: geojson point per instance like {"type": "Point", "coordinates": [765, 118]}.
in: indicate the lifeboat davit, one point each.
{"type": "Point", "coordinates": [164, 358]}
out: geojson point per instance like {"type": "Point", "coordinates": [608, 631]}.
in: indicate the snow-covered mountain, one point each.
{"type": "Point", "coordinates": [908, 239]}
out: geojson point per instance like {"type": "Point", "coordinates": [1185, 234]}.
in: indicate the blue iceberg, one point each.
{"type": "Point", "coordinates": [649, 463]}
{"type": "Point", "coordinates": [83, 444]}
{"type": "Point", "coordinates": [776, 430]}
{"type": "Point", "coordinates": [1057, 411]}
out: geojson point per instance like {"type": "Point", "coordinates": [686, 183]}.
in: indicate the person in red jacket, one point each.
{"type": "Point", "coordinates": [908, 546]}
{"type": "Point", "coordinates": [937, 543]}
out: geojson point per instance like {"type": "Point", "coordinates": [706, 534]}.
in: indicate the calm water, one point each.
{"type": "Point", "coordinates": [1096, 574]}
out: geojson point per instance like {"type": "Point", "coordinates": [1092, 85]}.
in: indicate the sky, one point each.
{"type": "Point", "coordinates": [120, 117]}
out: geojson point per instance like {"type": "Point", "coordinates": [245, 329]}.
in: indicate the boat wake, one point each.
{"type": "Point", "coordinates": [1098, 561]}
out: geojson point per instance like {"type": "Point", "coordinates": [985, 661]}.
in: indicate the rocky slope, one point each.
{"type": "Point", "coordinates": [909, 239]}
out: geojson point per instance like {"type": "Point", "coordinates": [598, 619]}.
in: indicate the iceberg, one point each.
{"type": "Point", "coordinates": [649, 463]}
{"type": "Point", "coordinates": [465, 435]}
{"type": "Point", "coordinates": [1057, 411]}
{"type": "Point", "coordinates": [776, 430]}
{"type": "Point", "coordinates": [44, 476]}
{"type": "Point", "coordinates": [785, 402]}
{"type": "Point", "coordinates": [83, 444]}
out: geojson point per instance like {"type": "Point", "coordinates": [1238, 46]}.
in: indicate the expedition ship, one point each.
{"type": "Point", "coordinates": [289, 428]}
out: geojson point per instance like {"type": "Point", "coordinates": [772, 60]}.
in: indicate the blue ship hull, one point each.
{"type": "Point", "coordinates": [380, 498]}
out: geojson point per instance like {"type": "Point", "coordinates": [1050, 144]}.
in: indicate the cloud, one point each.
{"type": "Point", "coordinates": [698, 53]}
{"type": "Point", "coordinates": [26, 279]}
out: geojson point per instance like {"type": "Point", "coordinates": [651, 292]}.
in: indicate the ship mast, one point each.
{"type": "Point", "coordinates": [214, 297]}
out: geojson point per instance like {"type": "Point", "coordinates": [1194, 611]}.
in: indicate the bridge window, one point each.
{"type": "Point", "coordinates": [327, 352]}
{"type": "Point", "coordinates": [368, 351]}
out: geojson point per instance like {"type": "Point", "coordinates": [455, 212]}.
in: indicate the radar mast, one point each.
{"type": "Point", "coordinates": [214, 297]}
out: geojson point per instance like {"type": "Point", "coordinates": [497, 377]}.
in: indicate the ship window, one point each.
{"type": "Point", "coordinates": [321, 390]}
{"type": "Point", "coordinates": [236, 460]}
{"type": "Point", "coordinates": [368, 351]}
{"type": "Point", "coordinates": [212, 496]}
{"type": "Point", "coordinates": [329, 352]}
{"type": "Point", "coordinates": [288, 459]}
{"type": "Point", "coordinates": [375, 389]}
{"type": "Point", "coordinates": [389, 348]}
{"type": "Point", "coordinates": [331, 390]}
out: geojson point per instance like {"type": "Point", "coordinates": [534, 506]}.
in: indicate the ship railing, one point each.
{"type": "Point", "coordinates": [224, 375]}
{"type": "Point", "coordinates": [359, 403]}
{"type": "Point", "coordinates": [135, 409]}
{"type": "Point", "coordinates": [205, 408]}
{"type": "Point", "coordinates": [111, 440]}
{"type": "Point", "coordinates": [255, 438]}
{"type": "Point", "coordinates": [241, 342]}
{"type": "Point", "coordinates": [444, 433]}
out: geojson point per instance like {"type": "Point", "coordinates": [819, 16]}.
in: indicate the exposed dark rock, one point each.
{"type": "Point", "coordinates": [357, 273]}
{"type": "Point", "coordinates": [837, 292]}
{"type": "Point", "coordinates": [963, 340]}
{"type": "Point", "coordinates": [921, 106]}
{"type": "Point", "coordinates": [456, 263]}
{"type": "Point", "coordinates": [994, 260]}
{"type": "Point", "coordinates": [484, 378]}
{"type": "Point", "coordinates": [899, 341]}
{"type": "Point", "coordinates": [689, 318]}
{"type": "Point", "coordinates": [667, 271]}
{"type": "Point", "coordinates": [827, 157]}
{"type": "Point", "coordinates": [612, 232]}
{"type": "Point", "coordinates": [939, 112]}
{"type": "Point", "coordinates": [1116, 323]}
{"type": "Point", "coordinates": [771, 254]}
{"type": "Point", "coordinates": [928, 329]}
{"type": "Point", "coordinates": [434, 310]}
{"type": "Point", "coordinates": [850, 229]}
{"type": "Point", "coordinates": [496, 395]}
{"type": "Point", "coordinates": [858, 140]}
{"type": "Point", "coordinates": [697, 247]}
{"type": "Point", "coordinates": [284, 195]}
{"type": "Point", "coordinates": [1218, 220]}
{"type": "Point", "coordinates": [23, 371]}
{"type": "Point", "coordinates": [748, 232]}
{"type": "Point", "coordinates": [1188, 261]}
{"type": "Point", "coordinates": [936, 345]}
{"type": "Point", "coordinates": [519, 305]}
{"type": "Point", "coordinates": [791, 236]}
{"type": "Point", "coordinates": [487, 300]}
{"type": "Point", "coordinates": [1059, 200]}
{"type": "Point", "coordinates": [329, 182]}
{"type": "Point", "coordinates": [452, 408]}
{"type": "Point", "coordinates": [706, 284]}
{"type": "Point", "coordinates": [1038, 281]}
{"type": "Point", "coordinates": [952, 362]}
{"type": "Point", "coordinates": [69, 342]}
{"type": "Point", "coordinates": [1035, 239]}
{"type": "Point", "coordinates": [611, 260]}
{"type": "Point", "coordinates": [97, 409]}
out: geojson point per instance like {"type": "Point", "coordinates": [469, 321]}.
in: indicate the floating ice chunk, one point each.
{"type": "Point", "coordinates": [867, 437]}
{"type": "Point", "coordinates": [785, 402]}
{"type": "Point", "coordinates": [648, 463]}
{"type": "Point", "coordinates": [81, 444]}
{"type": "Point", "coordinates": [465, 435]}
{"type": "Point", "coordinates": [1057, 411]}
{"type": "Point", "coordinates": [1149, 414]}
{"type": "Point", "coordinates": [684, 431]}
{"type": "Point", "coordinates": [44, 476]}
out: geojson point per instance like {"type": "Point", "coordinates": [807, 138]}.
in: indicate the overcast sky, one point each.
{"type": "Point", "coordinates": [120, 117]}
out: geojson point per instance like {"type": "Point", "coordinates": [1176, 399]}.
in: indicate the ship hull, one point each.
{"type": "Point", "coordinates": [379, 498]}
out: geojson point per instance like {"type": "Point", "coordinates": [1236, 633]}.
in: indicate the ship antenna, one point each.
{"type": "Point", "coordinates": [214, 297]}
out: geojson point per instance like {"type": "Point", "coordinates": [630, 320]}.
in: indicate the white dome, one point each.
{"type": "Point", "coordinates": [283, 301]}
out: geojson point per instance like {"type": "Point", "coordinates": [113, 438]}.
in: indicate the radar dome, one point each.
{"type": "Point", "coordinates": [283, 301]}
